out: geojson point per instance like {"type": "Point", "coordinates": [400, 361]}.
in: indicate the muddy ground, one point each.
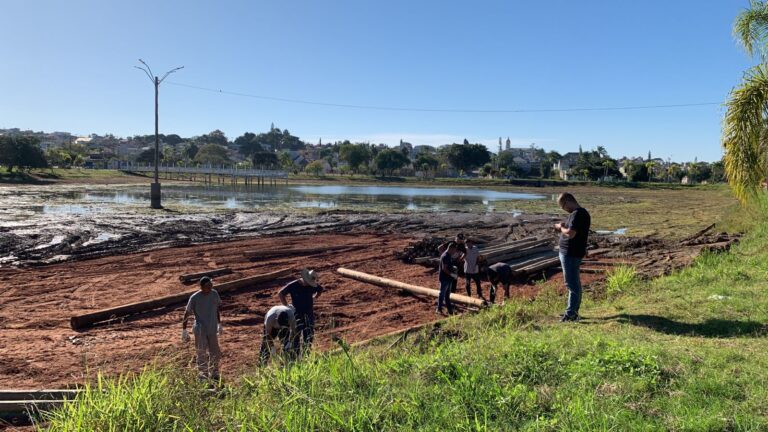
{"type": "Point", "coordinates": [40, 350]}
{"type": "Point", "coordinates": [53, 270]}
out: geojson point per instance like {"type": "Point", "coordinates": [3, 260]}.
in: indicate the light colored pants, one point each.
{"type": "Point", "coordinates": [208, 354]}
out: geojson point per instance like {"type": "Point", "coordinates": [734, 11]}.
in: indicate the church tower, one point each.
{"type": "Point", "coordinates": [509, 143]}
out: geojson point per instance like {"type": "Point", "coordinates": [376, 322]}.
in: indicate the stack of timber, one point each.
{"type": "Point", "coordinates": [421, 251]}
{"type": "Point", "coordinates": [516, 249]}
{"type": "Point", "coordinates": [501, 253]}
{"type": "Point", "coordinates": [78, 322]}
{"type": "Point", "coordinates": [20, 407]}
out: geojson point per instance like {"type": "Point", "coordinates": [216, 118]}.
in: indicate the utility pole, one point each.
{"type": "Point", "coordinates": [154, 195]}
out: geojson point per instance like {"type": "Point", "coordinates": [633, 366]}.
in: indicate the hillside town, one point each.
{"type": "Point", "coordinates": [279, 149]}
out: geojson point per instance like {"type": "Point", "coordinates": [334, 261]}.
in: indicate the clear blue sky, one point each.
{"type": "Point", "coordinates": [68, 65]}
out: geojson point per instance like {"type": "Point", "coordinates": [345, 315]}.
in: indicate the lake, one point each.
{"type": "Point", "coordinates": [383, 198]}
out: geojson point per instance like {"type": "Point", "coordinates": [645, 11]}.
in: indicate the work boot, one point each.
{"type": "Point", "coordinates": [569, 318]}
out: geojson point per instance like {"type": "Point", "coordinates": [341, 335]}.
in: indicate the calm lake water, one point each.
{"type": "Point", "coordinates": [285, 196]}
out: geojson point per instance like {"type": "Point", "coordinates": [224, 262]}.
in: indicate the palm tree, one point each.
{"type": "Point", "coordinates": [650, 166]}
{"type": "Point", "coordinates": [746, 118]}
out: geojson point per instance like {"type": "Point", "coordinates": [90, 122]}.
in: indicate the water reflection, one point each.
{"type": "Point", "coordinates": [306, 196]}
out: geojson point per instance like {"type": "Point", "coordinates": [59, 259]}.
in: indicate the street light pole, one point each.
{"type": "Point", "coordinates": [154, 195]}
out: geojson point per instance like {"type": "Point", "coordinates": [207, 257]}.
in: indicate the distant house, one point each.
{"type": "Point", "coordinates": [565, 165]}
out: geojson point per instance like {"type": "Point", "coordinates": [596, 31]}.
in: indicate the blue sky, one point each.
{"type": "Point", "coordinates": [68, 65]}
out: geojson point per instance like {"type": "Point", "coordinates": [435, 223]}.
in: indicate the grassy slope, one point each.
{"type": "Point", "coordinates": [666, 354]}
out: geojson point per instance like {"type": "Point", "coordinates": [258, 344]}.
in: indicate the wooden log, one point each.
{"type": "Point", "coordinates": [539, 266]}
{"type": "Point", "coordinates": [86, 320]}
{"type": "Point", "coordinates": [519, 254]}
{"type": "Point", "coordinates": [23, 407]}
{"type": "Point", "coordinates": [298, 251]}
{"type": "Point", "coordinates": [191, 277]}
{"type": "Point", "coordinates": [513, 246]}
{"type": "Point", "coordinates": [389, 283]}
{"type": "Point", "coordinates": [516, 265]}
{"type": "Point", "coordinates": [58, 394]}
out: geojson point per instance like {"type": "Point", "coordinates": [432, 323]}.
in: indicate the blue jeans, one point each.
{"type": "Point", "coordinates": [570, 267]}
{"type": "Point", "coordinates": [445, 295]}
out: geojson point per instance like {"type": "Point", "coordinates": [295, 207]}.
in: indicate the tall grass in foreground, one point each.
{"type": "Point", "coordinates": [686, 352]}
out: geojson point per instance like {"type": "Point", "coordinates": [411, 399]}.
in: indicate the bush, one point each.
{"type": "Point", "coordinates": [620, 279]}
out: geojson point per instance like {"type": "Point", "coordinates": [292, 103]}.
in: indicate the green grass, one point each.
{"type": "Point", "coordinates": [687, 352]}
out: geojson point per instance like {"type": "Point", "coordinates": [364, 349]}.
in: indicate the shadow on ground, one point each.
{"type": "Point", "coordinates": [714, 328]}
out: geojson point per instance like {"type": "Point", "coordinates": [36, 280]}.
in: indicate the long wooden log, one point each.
{"type": "Point", "coordinates": [542, 265]}
{"type": "Point", "coordinates": [191, 277]}
{"type": "Point", "coordinates": [57, 394]}
{"type": "Point", "coordinates": [253, 254]}
{"type": "Point", "coordinates": [534, 259]}
{"type": "Point", "coordinates": [86, 320]}
{"type": "Point", "coordinates": [510, 247]}
{"type": "Point", "coordinates": [389, 283]}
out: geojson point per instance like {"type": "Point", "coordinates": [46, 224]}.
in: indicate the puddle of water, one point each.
{"type": "Point", "coordinates": [102, 237]}
{"type": "Point", "coordinates": [620, 231]}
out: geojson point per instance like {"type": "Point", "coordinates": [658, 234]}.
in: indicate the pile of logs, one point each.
{"type": "Point", "coordinates": [525, 257]}
{"type": "Point", "coordinates": [516, 249]}
{"type": "Point", "coordinates": [424, 248]}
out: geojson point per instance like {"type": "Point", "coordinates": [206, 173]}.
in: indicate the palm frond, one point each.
{"type": "Point", "coordinates": [744, 133]}
{"type": "Point", "coordinates": [751, 28]}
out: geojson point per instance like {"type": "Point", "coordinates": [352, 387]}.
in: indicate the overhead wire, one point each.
{"type": "Point", "coordinates": [442, 110]}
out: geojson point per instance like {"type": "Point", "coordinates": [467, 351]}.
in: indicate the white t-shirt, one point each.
{"type": "Point", "coordinates": [470, 260]}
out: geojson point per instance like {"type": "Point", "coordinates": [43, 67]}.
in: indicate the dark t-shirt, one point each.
{"type": "Point", "coordinates": [502, 271]}
{"type": "Point", "coordinates": [579, 221]}
{"type": "Point", "coordinates": [302, 297]}
{"type": "Point", "coordinates": [446, 262]}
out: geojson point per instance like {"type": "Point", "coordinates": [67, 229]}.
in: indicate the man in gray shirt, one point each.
{"type": "Point", "coordinates": [471, 270]}
{"type": "Point", "coordinates": [279, 326]}
{"type": "Point", "coordinates": [204, 305]}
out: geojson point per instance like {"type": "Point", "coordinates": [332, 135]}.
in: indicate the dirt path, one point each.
{"type": "Point", "coordinates": [39, 348]}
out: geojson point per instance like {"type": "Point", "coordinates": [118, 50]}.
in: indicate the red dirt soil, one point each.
{"type": "Point", "coordinates": [39, 349]}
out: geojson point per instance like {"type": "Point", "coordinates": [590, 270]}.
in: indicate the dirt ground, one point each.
{"type": "Point", "coordinates": [39, 348]}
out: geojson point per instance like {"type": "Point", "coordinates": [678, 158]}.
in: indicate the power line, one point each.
{"type": "Point", "coordinates": [443, 110]}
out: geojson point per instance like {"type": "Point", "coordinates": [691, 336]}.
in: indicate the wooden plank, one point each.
{"type": "Point", "coordinates": [192, 277]}
{"type": "Point", "coordinates": [389, 283]}
{"type": "Point", "coordinates": [55, 394]}
{"type": "Point", "coordinates": [539, 266]}
{"type": "Point", "coordinates": [519, 254]}
{"type": "Point", "coordinates": [86, 320]}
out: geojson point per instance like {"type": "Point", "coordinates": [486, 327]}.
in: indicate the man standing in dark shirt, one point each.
{"type": "Point", "coordinates": [573, 248]}
{"type": "Point", "coordinates": [303, 292]}
{"type": "Point", "coordinates": [448, 277]}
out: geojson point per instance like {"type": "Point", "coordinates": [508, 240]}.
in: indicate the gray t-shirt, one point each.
{"type": "Point", "coordinates": [270, 320]}
{"type": "Point", "coordinates": [470, 260]}
{"type": "Point", "coordinates": [205, 307]}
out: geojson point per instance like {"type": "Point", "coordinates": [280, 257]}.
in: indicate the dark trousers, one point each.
{"type": "Point", "coordinates": [305, 327]}
{"type": "Point", "coordinates": [445, 295]}
{"type": "Point", "coordinates": [283, 336]}
{"type": "Point", "coordinates": [473, 277]}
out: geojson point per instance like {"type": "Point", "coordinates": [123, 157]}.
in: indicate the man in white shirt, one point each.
{"type": "Point", "coordinates": [279, 327]}
{"type": "Point", "coordinates": [471, 270]}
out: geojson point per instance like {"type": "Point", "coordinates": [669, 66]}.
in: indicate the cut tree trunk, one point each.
{"type": "Point", "coordinates": [192, 277]}
{"type": "Point", "coordinates": [389, 283]}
